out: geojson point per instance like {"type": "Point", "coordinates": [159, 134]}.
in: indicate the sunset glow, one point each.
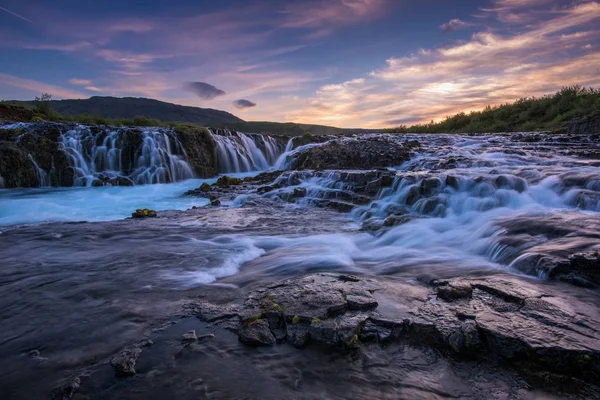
{"type": "Point", "coordinates": [348, 63]}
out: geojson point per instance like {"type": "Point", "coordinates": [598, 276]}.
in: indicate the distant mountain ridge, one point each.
{"type": "Point", "coordinates": [129, 107]}
{"type": "Point", "coordinates": [126, 108]}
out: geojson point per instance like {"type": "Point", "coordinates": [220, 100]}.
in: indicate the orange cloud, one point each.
{"type": "Point", "coordinates": [488, 69]}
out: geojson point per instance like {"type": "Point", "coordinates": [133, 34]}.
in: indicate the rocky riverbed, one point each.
{"type": "Point", "coordinates": [371, 266]}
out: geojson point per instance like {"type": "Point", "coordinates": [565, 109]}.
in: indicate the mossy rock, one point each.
{"type": "Point", "coordinates": [205, 187]}
{"type": "Point", "coordinates": [144, 213]}
{"type": "Point", "coordinates": [226, 181]}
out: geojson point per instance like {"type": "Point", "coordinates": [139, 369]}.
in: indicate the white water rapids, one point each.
{"type": "Point", "coordinates": [464, 201]}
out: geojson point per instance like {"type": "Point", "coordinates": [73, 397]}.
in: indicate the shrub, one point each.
{"type": "Point", "coordinates": [43, 104]}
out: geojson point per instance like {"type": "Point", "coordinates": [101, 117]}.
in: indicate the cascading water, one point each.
{"type": "Point", "coordinates": [239, 152]}
{"type": "Point", "coordinates": [43, 178]}
{"type": "Point", "coordinates": [153, 155]}
{"type": "Point", "coordinates": [286, 159]}
{"type": "Point", "coordinates": [125, 156]}
{"type": "Point", "coordinates": [463, 200]}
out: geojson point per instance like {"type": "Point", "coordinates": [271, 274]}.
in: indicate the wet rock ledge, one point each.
{"type": "Point", "coordinates": [500, 319]}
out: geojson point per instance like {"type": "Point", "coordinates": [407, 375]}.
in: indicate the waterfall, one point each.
{"type": "Point", "coordinates": [241, 152]}
{"type": "Point", "coordinates": [43, 178]}
{"type": "Point", "coordinates": [287, 159]}
{"type": "Point", "coordinates": [125, 156]}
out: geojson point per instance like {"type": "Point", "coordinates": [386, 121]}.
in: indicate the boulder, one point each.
{"type": "Point", "coordinates": [67, 391]}
{"type": "Point", "coordinates": [257, 333]}
{"type": "Point", "coordinates": [581, 269]}
{"type": "Point", "coordinates": [189, 336]}
{"type": "Point", "coordinates": [124, 362]}
{"type": "Point", "coordinates": [144, 213]}
{"type": "Point", "coordinates": [300, 192]}
{"type": "Point", "coordinates": [226, 181]}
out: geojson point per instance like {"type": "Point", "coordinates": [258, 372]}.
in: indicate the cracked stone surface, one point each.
{"type": "Point", "coordinates": [501, 317]}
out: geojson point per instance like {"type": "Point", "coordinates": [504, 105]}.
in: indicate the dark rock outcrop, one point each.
{"type": "Point", "coordinates": [67, 391]}
{"type": "Point", "coordinates": [144, 213]}
{"type": "Point", "coordinates": [124, 362]}
{"type": "Point", "coordinates": [353, 153]}
{"type": "Point", "coordinates": [495, 317]}
{"type": "Point", "coordinates": [199, 146]}
{"type": "Point", "coordinates": [23, 152]}
{"type": "Point", "coordinates": [589, 124]}
{"type": "Point", "coordinates": [581, 270]}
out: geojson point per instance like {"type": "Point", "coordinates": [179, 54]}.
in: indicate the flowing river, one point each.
{"type": "Point", "coordinates": [79, 281]}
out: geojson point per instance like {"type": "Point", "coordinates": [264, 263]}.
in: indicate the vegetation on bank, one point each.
{"type": "Point", "coordinates": [546, 113]}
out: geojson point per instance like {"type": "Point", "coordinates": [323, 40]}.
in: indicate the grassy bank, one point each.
{"type": "Point", "coordinates": [547, 113]}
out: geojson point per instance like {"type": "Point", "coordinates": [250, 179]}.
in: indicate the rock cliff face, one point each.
{"type": "Point", "coordinates": [590, 124]}
{"type": "Point", "coordinates": [32, 159]}
{"type": "Point", "coordinates": [54, 154]}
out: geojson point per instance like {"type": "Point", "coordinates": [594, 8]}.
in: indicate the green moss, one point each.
{"type": "Point", "coordinates": [296, 320]}
{"type": "Point", "coordinates": [315, 320]}
{"type": "Point", "coordinates": [252, 319]}
{"type": "Point", "coordinates": [353, 341]}
{"type": "Point", "coordinates": [226, 181]}
{"type": "Point", "coordinates": [144, 213]}
{"type": "Point", "coordinates": [205, 187]}
{"type": "Point", "coordinates": [586, 357]}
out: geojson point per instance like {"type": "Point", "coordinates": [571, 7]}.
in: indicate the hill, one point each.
{"type": "Point", "coordinates": [129, 107]}
{"type": "Point", "coordinates": [146, 112]}
{"type": "Point", "coordinates": [547, 113]}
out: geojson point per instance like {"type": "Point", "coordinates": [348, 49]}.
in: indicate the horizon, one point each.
{"type": "Point", "coordinates": [285, 62]}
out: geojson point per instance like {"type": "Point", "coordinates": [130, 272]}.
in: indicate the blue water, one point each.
{"type": "Point", "coordinates": [107, 203]}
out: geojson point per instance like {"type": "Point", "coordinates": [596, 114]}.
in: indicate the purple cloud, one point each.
{"type": "Point", "coordinates": [243, 104]}
{"type": "Point", "coordinates": [204, 90]}
{"type": "Point", "coordinates": [453, 25]}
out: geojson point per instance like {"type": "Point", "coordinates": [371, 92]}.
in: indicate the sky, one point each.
{"type": "Point", "coordinates": [347, 63]}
